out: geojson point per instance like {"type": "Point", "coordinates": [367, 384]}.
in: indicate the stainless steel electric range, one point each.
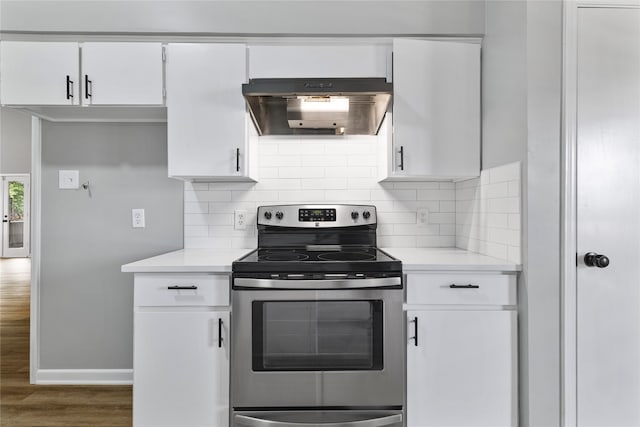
{"type": "Point", "coordinates": [317, 331]}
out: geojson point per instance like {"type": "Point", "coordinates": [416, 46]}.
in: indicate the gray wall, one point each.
{"type": "Point", "coordinates": [86, 303]}
{"type": "Point", "coordinates": [15, 141]}
{"type": "Point", "coordinates": [246, 17]}
{"type": "Point", "coordinates": [521, 121]}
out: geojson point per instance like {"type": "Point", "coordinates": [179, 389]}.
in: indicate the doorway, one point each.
{"type": "Point", "coordinates": [602, 218]}
{"type": "Point", "coordinates": [15, 213]}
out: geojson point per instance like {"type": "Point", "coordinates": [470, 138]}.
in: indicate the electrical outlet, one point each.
{"type": "Point", "coordinates": [423, 217]}
{"type": "Point", "coordinates": [137, 218]}
{"type": "Point", "coordinates": [240, 220]}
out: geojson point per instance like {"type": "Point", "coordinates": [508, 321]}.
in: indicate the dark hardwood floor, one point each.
{"type": "Point", "coordinates": [23, 404]}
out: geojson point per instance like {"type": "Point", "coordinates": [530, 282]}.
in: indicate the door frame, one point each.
{"type": "Point", "coordinates": [25, 251]}
{"type": "Point", "coordinates": [568, 200]}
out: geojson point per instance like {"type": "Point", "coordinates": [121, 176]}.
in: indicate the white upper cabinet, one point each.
{"type": "Point", "coordinates": [436, 111]}
{"type": "Point", "coordinates": [206, 114]}
{"type": "Point", "coordinates": [35, 73]}
{"type": "Point", "coordinates": [61, 74]}
{"type": "Point", "coordinates": [122, 74]}
{"type": "Point", "coordinates": [268, 61]}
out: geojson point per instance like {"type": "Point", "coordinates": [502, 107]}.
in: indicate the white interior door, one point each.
{"type": "Point", "coordinates": [608, 217]}
{"type": "Point", "coordinates": [15, 216]}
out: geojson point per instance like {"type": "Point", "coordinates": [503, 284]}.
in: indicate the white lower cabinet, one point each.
{"type": "Point", "coordinates": [181, 352]}
{"type": "Point", "coordinates": [461, 356]}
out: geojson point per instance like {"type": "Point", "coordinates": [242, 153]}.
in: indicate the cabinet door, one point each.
{"type": "Point", "coordinates": [122, 73]}
{"type": "Point", "coordinates": [206, 116]}
{"type": "Point", "coordinates": [318, 61]}
{"type": "Point", "coordinates": [463, 370]}
{"type": "Point", "coordinates": [436, 109]}
{"type": "Point", "coordinates": [38, 73]}
{"type": "Point", "coordinates": [180, 371]}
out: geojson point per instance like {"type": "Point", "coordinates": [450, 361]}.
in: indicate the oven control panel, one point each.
{"type": "Point", "coordinates": [317, 216]}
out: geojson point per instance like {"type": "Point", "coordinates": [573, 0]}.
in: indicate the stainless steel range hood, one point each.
{"type": "Point", "coordinates": [338, 106]}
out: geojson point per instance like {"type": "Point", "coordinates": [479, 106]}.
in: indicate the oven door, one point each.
{"type": "Point", "coordinates": [306, 348]}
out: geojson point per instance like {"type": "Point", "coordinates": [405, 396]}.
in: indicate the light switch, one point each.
{"type": "Point", "coordinates": [68, 179]}
{"type": "Point", "coordinates": [137, 218]}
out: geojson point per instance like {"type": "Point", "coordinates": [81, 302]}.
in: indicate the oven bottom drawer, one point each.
{"type": "Point", "coordinates": [355, 418]}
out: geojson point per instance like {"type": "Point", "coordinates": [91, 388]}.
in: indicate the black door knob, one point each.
{"type": "Point", "coordinates": [592, 259]}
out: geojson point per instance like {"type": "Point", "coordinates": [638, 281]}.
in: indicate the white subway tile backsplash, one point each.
{"type": "Point", "coordinates": [324, 160]}
{"type": "Point", "coordinates": [393, 194]}
{"type": "Point", "coordinates": [447, 206]}
{"type": "Point", "coordinates": [196, 231]}
{"type": "Point", "coordinates": [397, 217]}
{"type": "Point", "coordinates": [268, 172]}
{"type": "Point", "coordinates": [196, 207]}
{"type": "Point", "coordinates": [325, 183]}
{"type": "Point", "coordinates": [299, 147]}
{"type": "Point", "coordinates": [279, 161]}
{"type": "Point", "coordinates": [301, 172]}
{"type": "Point", "coordinates": [415, 230]}
{"type": "Point", "coordinates": [435, 241]}
{"type": "Point", "coordinates": [467, 214]}
{"type": "Point", "coordinates": [414, 205]}
{"type": "Point", "coordinates": [347, 195]}
{"type": "Point", "coordinates": [442, 218]}
{"type": "Point", "coordinates": [436, 194]}
{"type": "Point", "coordinates": [194, 186]}
{"type": "Point", "coordinates": [207, 196]}
{"type": "Point", "coordinates": [301, 196]}
{"type": "Point", "coordinates": [487, 213]}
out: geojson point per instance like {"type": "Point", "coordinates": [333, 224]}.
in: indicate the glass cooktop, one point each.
{"type": "Point", "coordinates": [317, 258]}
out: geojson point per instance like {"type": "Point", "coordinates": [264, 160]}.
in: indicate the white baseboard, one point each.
{"type": "Point", "coordinates": [84, 376]}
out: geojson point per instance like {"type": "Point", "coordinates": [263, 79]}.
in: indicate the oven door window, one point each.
{"type": "Point", "coordinates": [317, 335]}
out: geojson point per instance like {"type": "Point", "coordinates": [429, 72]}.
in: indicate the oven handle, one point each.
{"type": "Point", "coordinates": [373, 422]}
{"type": "Point", "coordinates": [383, 282]}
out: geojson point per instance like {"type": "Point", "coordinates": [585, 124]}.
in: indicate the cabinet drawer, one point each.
{"type": "Point", "coordinates": [181, 290]}
{"type": "Point", "coordinates": [485, 289]}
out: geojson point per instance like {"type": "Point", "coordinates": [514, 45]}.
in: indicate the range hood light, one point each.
{"type": "Point", "coordinates": [324, 104]}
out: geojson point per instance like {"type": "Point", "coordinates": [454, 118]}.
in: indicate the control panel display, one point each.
{"type": "Point", "coordinates": [316, 215]}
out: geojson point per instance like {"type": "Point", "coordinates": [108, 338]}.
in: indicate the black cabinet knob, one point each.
{"type": "Point", "coordinates": [592, 259]}
{"type": "Point", "coordinates": [355, 215]}
{"type": "Point", "coordinates": [267, 215]}
{"type": "Point", "coordinates": [366, 214]}
{"type": "Point", "coordinates": [279, 215]}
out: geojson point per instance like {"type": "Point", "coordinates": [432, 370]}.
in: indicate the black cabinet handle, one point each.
{"type": "Point", "coordinates": [178, 288]}
{"type": "Point", "coordinates": [219, 333]}
{"type": "Point", "coordinates": [237, 160]}
{"type": "Point", "coordinates": [415, 331]}
{"type": "Point", "coordinates": [69, 88]}
{"type": "Point", "coordinates": [401, 165]}
{"type": "Point", "coordinates": [469, 286]}
{"type": "Point", "coordinates": [87, 83]}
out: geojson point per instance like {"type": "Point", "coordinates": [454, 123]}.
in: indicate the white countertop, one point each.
{"type": "Point", "coordinates": [448, 259]}
{"type": "Point", "coordinates": [413, 259]}
{"type": "Point", "coordinates": [188, 261]}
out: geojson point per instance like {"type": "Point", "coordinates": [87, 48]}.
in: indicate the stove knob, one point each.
{"type": "Point", "coordinates": [366, 214]}
{"type": "Point", "coordinates": [354, 215]}
{"type": "Point", "coordinates": [279, 215]}
{"type": "Point", "coordinates": [267, 215]}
